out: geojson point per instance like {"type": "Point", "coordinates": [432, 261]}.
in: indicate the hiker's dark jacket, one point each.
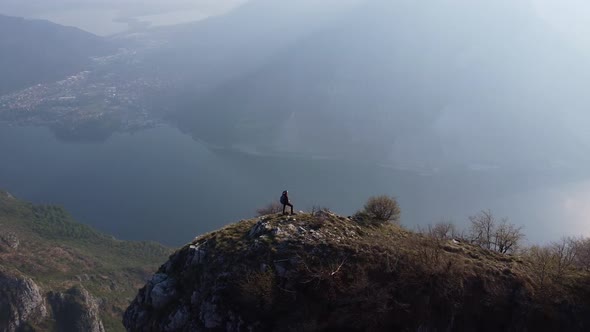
{"type": "Point", "coordinates": [284, 199]}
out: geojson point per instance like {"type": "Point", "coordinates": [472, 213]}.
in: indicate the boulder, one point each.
{"type": "Point", "coordinates": [21, 302]}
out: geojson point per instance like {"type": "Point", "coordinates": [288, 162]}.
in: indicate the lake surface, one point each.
{"type": "Point", "coordinates": [159, 184]}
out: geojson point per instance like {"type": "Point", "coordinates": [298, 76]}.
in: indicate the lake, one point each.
{"type": "Point", "coordinates": [160, 184]}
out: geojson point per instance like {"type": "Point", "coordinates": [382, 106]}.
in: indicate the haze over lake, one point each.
{"type": "Point", "coordinates": [160, 184]}
{"type": "Point", "coordinates": [453, 109]}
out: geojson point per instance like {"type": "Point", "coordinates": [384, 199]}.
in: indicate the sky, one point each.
{"type": "Point", "coordinates": [106, 17]}
{"type": "Point", "coordinates": [569, 17]}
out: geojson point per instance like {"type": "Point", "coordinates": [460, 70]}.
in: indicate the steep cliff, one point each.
{"type": "Point", "coordinates": [330, 273]}
{"type": "Point", "coordinates": [59, 275]}
{"type": "Point", "coordinates": [76, 310]}
{"type": "Point", "coordinates": [21, 301]}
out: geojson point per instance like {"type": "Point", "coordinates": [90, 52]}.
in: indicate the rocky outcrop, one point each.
{"type": "Point", "coordinates": [21, 302]}
{"type": "Point", "coordinates": [323, 272]}
{"type": "Point", "coordinates": [59, 275]}
{"type": "Point", "coordinates": [76, 311]}
{"type": "Point", "coordinates": [23, 306]}
{"type": "Point", "coordinates": [189, 292]}
{"type": "Point", "coordinates": [8, 241]}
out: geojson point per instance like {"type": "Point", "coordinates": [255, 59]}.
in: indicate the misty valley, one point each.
{"type": "Point", "coordinates": [432, 157]}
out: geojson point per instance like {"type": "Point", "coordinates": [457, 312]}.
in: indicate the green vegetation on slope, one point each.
{"type": "Point", "coordinates": [46, 244]}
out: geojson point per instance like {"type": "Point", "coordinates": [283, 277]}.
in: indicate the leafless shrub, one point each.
{"type": "Point", "coordinates": [542, 263]}
{"type": "Point", "coordinates": [583, 257]}
{"type": "Point", "coordinates": [488, 233]}
{"type": "Point", "coordinates": [322, 270]}
{"type": "Point", "coordinates": [507, 237]}
{"type": "Point", "coordinates": [429, 253]}
{"type": "Point", "coordinates": [380, 209]}
{"type": "Point", "coordinates": [271, 208]}
{"type": "Point", "coordinates": [565, 254]}
{"type": "Point", "coordinates": [554, 263]}
{"type": "Point", "coordinates": [330, 274]}
{"type": "Point", "coordinates": [443, 230]}
{"type": "Point", "coordinates": [429, 247]}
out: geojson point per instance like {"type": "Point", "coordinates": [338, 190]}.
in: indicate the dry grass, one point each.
{"type": "Point", "coordinates": [325, 271]}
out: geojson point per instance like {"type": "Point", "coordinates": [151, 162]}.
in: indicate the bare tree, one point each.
{"type": "Point", "coordinates": [482, 228]}
{"type": "Point", "coordinates": [556, 260]}
{"type": "Point", "coordinates": [442, 230]}
{"type": "Point", "coordinates": [566, 253]}
{"type": "Point", "coordinates": [488, 233]}
{"type": "Point", "coordinates": [583, 257]}
{"type": "Point", "coordinates": [542, 260]}
{"type": "Point", "coordinates": [507, 237]}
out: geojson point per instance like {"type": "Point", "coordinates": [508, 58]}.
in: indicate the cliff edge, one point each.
{"type": "Point", "coordinates": [324, 272]}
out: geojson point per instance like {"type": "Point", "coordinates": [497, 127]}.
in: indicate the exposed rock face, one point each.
{"type": "Point", "coordinates": [8, 241]}
{"type": "Point", "coordinates": [323, 272]}
{"type": "Point", "coordinates": [190, 291]}
{"type": "Point", "coordinates": [44, 251]}
{"type": "Point", "coordinates": [6, 194]}
{"type": "Point", "coordinates": [76, 310]}
{"type": "Point", "coordinates": [21, 302]}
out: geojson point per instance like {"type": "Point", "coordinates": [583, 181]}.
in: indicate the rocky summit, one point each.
{"type": "Point", "coordinates": [324, 272]}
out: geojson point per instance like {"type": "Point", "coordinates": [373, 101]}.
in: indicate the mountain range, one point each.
{"type": "Point", "coordinates": [396, 82]}
{"type": "Point", "coordinates": [38, 51]}
{"type": "Point", "coordinates": [389, 80]}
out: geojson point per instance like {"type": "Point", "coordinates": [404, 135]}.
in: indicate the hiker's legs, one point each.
{"type": "Point", "coordinates": [284, 205]}
{"type": "Point", "coordinates": [291, 205]}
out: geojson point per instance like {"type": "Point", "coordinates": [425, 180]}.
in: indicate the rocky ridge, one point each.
{"type": "Point", "coordinates": [324, 272]}
{"type": "Point", "coordinates": [21, 301]}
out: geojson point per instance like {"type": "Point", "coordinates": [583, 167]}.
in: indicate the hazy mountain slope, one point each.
{"type": "Point", "coordinates": [200, 56]}
{"type": "Point", "coordinates": [35, 51]}
{"type": "Point", "coordinates": [429, 85]}
{"type": "Point", "coordinates": [69, 265]}
{"type": "Point", "coordinates": [324, 272]}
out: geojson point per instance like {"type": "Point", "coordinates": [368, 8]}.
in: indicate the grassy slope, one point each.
{"type": "Point", "coordinates": [58, 252]}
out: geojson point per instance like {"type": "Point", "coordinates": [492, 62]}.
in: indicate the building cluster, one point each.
{"type": "Point", "coordinates": [80, 98]}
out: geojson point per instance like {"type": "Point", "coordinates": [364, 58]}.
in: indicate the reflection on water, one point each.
{"type": "Point", "coordinates": [160, 184]}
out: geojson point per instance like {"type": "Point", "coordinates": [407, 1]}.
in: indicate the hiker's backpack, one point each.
{"type": "Point", "coordinates": [284, 199]}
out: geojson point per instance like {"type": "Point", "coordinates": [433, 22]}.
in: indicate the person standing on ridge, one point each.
{"type": "Point", "coordinates": [285, 201]}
